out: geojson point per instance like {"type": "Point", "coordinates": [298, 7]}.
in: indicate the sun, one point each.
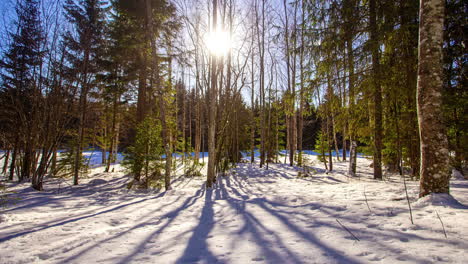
{"type": "Point", "coordinates": [218, 42]}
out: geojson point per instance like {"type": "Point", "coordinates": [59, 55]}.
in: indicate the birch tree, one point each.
{"type": "Point", "coordinates": [434, 172]}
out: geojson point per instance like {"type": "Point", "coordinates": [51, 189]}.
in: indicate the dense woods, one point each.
{"type": "Point", "coordinates": [193, 82]}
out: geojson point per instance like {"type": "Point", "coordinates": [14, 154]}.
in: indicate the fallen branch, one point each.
{"type": "Point", "coordinates": [357, 239]}
{"type": "Point", "coordinates": [407, 199]}
{"type": "Point", "coordinates": [442, 223]}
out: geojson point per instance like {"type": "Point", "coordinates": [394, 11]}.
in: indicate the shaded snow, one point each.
{"type": "Point", "coordinates": [252, 215]}
{"type": "Point", "coordinates": [439, 199]}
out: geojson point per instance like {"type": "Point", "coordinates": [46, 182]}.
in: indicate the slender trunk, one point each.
{"type": "Point", "coordinates": [79, 147]}
{"type": "Point", "coordinates": [212, 93]}
{"type": "Point", "coordinates": [82, 108]}
{"type": "Point", "coordinates": [5, 161]}
{"type": "Point", "coordinates": [330, 144]}
{"type": "Point", "coordinates": [378, 129]}
{"type": "Point", "coordinates": [37, 179]}
{"type": "Point", "coordinates": [252, 100]}
{"type": "Point", "coordinates": [105, 137]}
{"type": "Point", "coordinates": [110, 159]}
{"type": "Point", "coordinates": [352, 159]}
{"type": "Point", "coordinates": [197, 104]}
{"type": "Point", "coordinates": [351, 110]}
{"type": "Point", "coordinates": [335, 141]}
{"type": "Point", "coordinates": [344, 143]}
{"type": "Point", "coordinates": [13, 159]}
{"type": "Point", "coordinates": [261, 50]}
{"type": "Point", "coordinates": [53, 168]}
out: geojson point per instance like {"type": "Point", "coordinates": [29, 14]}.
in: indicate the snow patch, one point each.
{"type": "Point", "coordinates": [438, 199]}
{"type": "Point", "coordinates": [457, 175]}
{"type": "Point", "coordinates": [97, 182]}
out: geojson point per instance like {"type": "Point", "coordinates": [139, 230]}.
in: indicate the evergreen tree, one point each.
{"type": "Point", "coordinates": [84, 48]}
{"type": "Point", "coordinates": [455, 95]}
{"type": "Point", "coordinates": [21, 78]}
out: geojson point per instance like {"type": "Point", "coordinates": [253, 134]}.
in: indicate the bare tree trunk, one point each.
{"type": "Point", "coordinates": [252, 100]}
{"type": "Point", "coordinates": [261, 50]}
{"type": "Point", "coordinates": [79, 147]}
{"type": "Point", "coordinates": [352, 159]}
{"type": "Point", "coordinates": [352, 137]}
{"type": "Point", "coordinates": [378, 129]}
{"type": "Point", "coordinates": [212, 93]}
{"type": "Point", "coordinates": [330, 144]}
{"type": "Point", "coordinates": [435, 174]}
{"type": "Point", "coordinates": [335, 141]}
{"type": "Point", "coordinates": [82, 109]}
{"type": "Point", "coordinates": [198, 126]}
{"type": "Point", "coordinates": [290, 84]}
{"type": "Point", "coordinates": [344, 143]}
{"type": "Point", "coordinates": [111, 158]}
{"type": "Point", "coordinates": [53, 169]}
{"type": "Point", "coordinates": [105, 136]}
{"type": "Point", "coordinates": [293, 145]}
{"type": "Point", "coordinates": [13, 159]}
{"type": "Point", "coordinates": [5, 161]}
{"type": "Point", "coordinates": [301, 93]}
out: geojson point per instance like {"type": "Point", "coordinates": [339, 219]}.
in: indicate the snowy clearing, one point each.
{"type": "Point", "coordinates": [253, 215]}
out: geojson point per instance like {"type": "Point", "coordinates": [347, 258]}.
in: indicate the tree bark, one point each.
{"type": "Point", "coordinates": [377, 91]}
{"type": "Point", "coordinates": [435, 174]}
{"type": "Point", "coordinates": [212, 94]}
{"type": "Point", "coordinates": [5, 161]}
{"type": "Point", "coordinates": [349, 33]}
{"type": "Point", "coordinates": [13, 159]}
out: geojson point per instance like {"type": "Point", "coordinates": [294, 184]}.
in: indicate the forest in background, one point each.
{"type": "Point", "coordinates": [146, 78]}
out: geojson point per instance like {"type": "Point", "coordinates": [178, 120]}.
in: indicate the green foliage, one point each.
{"type": "Point", "coordinates": [66, 159]}
{"type": "Point", "coordinates": [321, 146]}
{"type": "Point", "coordinates": [455, 95]}
{"type": "Point", "coordinates": [144, 156]}
{"type": "Point", "coordinates": [5, 198]}
{"type": "Point", "coordinates": [194, 169]}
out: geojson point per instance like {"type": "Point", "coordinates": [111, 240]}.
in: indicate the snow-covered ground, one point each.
{"type": "Point", "coordinates": [253, 215]}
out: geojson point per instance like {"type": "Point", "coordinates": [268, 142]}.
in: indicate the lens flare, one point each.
{"type": "Point", "coordinates": [218, 42]}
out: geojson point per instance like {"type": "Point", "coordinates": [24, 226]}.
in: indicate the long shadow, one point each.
{"type": "Point", "coordinates": [197, 247]}
{"type": "Point", "coordinates": [30, 198]}
{"type": "Point", "coordinates": [286, 217]}
{"type": "Point", "coordinates": [253, 226]}
{"type": "Point", "coordinates": [308, 237]}
{"type": "Point", "coordinates": [77, 219]}
{"type": "Point", "coordinates": [169, 215]}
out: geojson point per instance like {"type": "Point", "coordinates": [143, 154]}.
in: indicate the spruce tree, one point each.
{"type": "Point", "coordinates": [21, 75]}
{"type": "Point", "coordinates": [84, 47]}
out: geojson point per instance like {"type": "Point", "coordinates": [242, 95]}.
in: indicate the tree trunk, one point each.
{"type": "Point", "coordinates": [435, 174]}
{"type": "Point", "coordinates": [113, 140]}
{"type": "Point", "coordinates": [252, 100]}
{"type": "Point", "coordinates": [344, 143]}
{"type": "Point", "coordinates": [377, 91]}
{"type": "Point", "coordinates": [352, 159]}
{"type": "Point", "coordinates": [5, 161]}
{"type": "Point", "coordinates": [79, 147]}
{"type": "Point", "coordinates": [82, 108]}
{"type": "Point", "coordinates": [53, 168]}
{"type": "Point", "coordinates": [351, 81]}
{"type": "Point", "coordinates": [212, 93]}
{"type": "Point", "coordinates": [13, 159]}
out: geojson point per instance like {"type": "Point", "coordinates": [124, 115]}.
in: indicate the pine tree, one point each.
{"type": "Point", "coordinates": [21, 77]}
{"type": "Point", "coordinates": [84, 47]}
